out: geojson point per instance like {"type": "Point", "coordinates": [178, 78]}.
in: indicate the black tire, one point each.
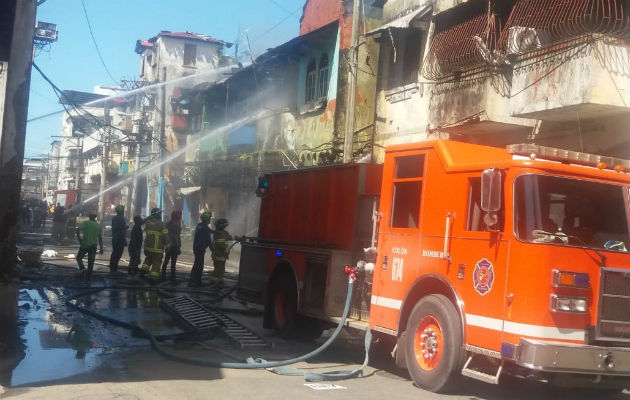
{"type": "Point", "coordinates": [283, 305]}
{"type": "Point", "coordinates": [442, 372]}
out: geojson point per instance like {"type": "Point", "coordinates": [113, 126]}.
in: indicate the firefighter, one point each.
{"type": "Point", "coordinates": [135, 245]}
{"type": "Point", "coordinates": [174, 227]}
{"type": "Point", "coordinates": [119, 237]}
{"type": "Point", "coordinates": [220, 252]}
{"type": "Point", "coordinates": [155, 240]}
{"type": "Point", "coordinates": [201, 241]}
{"type": "Point", "coordinates": [89, 234]}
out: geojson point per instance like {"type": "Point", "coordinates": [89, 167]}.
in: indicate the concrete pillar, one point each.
{"type": "Point", "coordinates": [15, 99]}
{"type": "Point", "coordinates": [15, 72]}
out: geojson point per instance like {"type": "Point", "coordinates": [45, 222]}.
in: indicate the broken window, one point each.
{"type": "Point", "coordinates": [311, 80]}
{"type": "Point", "coordinates": [322, 79]}
{"type": "Point", "coordinates": [190, 55]}
{"type": "Point", "coordinates": [405, 47]}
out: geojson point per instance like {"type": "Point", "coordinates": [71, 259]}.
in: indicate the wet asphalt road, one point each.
{"type": "Point", "coordinates": [117, 365]}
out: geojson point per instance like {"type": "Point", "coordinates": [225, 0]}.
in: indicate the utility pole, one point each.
{"type": "Point", "coordinates": [162, 143]}
{"type": "Point", "coordinates": [352, 83]}
{"type": "Point", "coordinates": [79, 168]}
{"type": "Point", "coordinates": [104, 165]}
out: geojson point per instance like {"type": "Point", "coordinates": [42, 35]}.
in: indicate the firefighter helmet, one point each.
{"type": "Point", "coordinates": [221, 223]}
{"type": "Point", "coordinates": [155, 212]}
{"type": "Point", "coordinates": [205, 216]}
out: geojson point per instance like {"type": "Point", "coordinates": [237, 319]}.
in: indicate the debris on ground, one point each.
{"type": "Point", "coordinates": [49, 253]}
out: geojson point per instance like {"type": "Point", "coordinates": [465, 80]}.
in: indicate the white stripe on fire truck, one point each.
{"type": "Point", "coordinates": [495, 324]}
{"type": "Point", "coordinates": [386, 302]}
{"type": "Point", "coordinates": [517, 328]}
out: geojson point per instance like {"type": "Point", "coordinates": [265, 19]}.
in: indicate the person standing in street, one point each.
{"type": "Point", "coordinates": [219, 249]}
{"type": "Point", "coordinates": [89, 234]}
{"type": "Point", "coordinates": [155, 240]}
{"type": "Point", "coordinates": [44, 212]}
{"type": "Point", "coordinates": [174, 248]}
{"type": "Point", "coordinates": [59, 223]}
{"type": "Point", "coordinates": [135, 245]}
{"type": "Point", "coordinates": [119, 238]}
{"type": "Point", "coordinates": [201, 242]}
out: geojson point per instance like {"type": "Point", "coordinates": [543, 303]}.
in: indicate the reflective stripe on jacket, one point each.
{"type": "Point", "coordinates": [220, 241]}
{"type": "Point", "coordinates": [156, 236]}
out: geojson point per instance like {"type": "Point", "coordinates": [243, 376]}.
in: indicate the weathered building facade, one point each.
{"type": "Point", "coordinates": [500, 72]}
{"type": "Point", "coordinates": [95, 139]}
{"type": "Point", "coordinates": [289, 107]}
{"type": "Point", "coordinates": [170, 64]}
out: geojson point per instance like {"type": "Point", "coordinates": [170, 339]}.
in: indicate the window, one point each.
{"type": "Point", "coordinates": [190, 55]}
{"type": "Point", "coordinates": [571, 212]}
{"type": "Point", "coordinates": [404, 56]}
{"type": "Point", "coordinates": [475, 213]}
{"type": "Point", "coordinates": [311, 78]}
{"type": "Point", "coordinates": [322, 79]}
{"type": "Point", "coordinates": [407, 191]}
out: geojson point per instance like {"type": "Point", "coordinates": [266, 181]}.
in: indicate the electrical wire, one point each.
{"type": "Point", "coordinates": [87, 19]}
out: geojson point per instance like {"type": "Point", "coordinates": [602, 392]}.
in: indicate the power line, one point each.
{"type": "Point", "coordinates": [276, 25]}
{"type": "Point", "coordinates": [87, 19]}
{"type": "Point", "coordinates": [284, 8]}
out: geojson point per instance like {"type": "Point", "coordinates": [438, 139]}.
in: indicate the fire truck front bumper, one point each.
{"type": "Point", "coordinates": [572, 358]}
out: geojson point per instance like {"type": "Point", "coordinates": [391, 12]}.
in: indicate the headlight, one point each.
{"type": "Point", "coordinates": [566, 304]}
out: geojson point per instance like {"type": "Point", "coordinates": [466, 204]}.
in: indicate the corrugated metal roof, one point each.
{"type": "Point", "coordinates": [79, 98]}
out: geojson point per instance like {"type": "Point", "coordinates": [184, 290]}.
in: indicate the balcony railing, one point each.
{"type": "Point", "coordinates": [487, 39]}
{"type": "Point", "coordinates": [534, 24]}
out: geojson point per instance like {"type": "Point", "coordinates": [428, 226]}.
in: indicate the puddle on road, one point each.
{"type": "Point", "coordinates": [60, 343]}
{"type": "Point", "coordinates": [52, 350]}
{"type": "Point", "coordinates": [134, 306]}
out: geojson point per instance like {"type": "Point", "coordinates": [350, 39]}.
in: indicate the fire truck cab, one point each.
{"type": "Point", "coordinates": [482, 261]}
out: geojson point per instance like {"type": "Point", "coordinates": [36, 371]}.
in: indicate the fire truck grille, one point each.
{"type": "Point", "coordinates": [614, 305]}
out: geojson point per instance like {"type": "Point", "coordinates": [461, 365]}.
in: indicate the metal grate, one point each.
{"type": "Point", "coordinates": [614, 305]}
{"type": "Point", "coordinates": [463, 47]}
{"type": "Point", "coordinates": [191, 314]}
{"type": "Point", "coordinates": [197, 318]}
{"type": "Point", "coordinates": [537, 23]}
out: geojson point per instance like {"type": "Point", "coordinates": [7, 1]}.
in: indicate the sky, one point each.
{"type": "Point", "coordinates": [73, 63]}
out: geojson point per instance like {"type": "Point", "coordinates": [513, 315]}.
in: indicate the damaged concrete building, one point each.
{"type": "Point", "coordinates": [290, 107]}
{"type": "Point", "coordinates": [487, 72]}
{"type": "Point", "coordinates": [497, 72]}
{"type": "Point", "coordinates": [171, 63]}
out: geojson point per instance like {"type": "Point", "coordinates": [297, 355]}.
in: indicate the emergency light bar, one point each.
{"type": "Point", "coordinates": [535, 151]}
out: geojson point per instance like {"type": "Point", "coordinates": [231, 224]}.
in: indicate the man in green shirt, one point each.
{"type": "Point", "coordinates": [88, 234]}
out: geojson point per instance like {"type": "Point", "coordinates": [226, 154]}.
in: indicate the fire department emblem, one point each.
{"type": "Point", "coordinates": [483, 276]}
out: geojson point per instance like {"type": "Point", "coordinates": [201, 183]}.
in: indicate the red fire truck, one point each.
{"type": "Point", "coordinates": [475, 260]}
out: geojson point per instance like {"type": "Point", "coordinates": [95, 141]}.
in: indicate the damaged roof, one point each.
{"type": "Point", "coordinates": [141, 45]}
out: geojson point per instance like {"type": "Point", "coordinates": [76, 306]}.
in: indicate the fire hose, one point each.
{"type": "Point", "coordinates": [251, 363]}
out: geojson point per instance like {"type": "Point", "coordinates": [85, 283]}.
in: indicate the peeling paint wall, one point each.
{"type": "Point", "coordinates": [596, 74]}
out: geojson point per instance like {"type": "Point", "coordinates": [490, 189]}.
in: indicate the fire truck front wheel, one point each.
{"type": "Point", "coordinates": [433, 344]}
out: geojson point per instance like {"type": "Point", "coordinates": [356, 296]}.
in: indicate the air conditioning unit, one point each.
{"type": "Point", "coordinates": [46, 32]}
{"type": "Point", "coordinates": [522, 39]}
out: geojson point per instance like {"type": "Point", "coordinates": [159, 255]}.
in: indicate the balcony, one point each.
{"type": "Point", "coordinates": [547, 60]}
{"type": "Point", "coordinates": [570, 59]}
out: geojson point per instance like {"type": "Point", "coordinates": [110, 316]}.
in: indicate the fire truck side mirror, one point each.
{"type": "Point", "coordinates": [491, 190]}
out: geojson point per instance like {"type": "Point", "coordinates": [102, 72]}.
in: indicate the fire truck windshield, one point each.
{"type": "Point", "coordinates": [571, 212]}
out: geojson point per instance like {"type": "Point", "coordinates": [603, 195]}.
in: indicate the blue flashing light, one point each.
{"type": "Point", "coordinates": [508, 350]}
{"type": "Point", "coordinates": [278, 253]}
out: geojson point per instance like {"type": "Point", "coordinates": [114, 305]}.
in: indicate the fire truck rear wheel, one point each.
{"type": "Point", "coordinates": [433, 344]}
{"type": "Point", "coordinates": [283, 304]}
